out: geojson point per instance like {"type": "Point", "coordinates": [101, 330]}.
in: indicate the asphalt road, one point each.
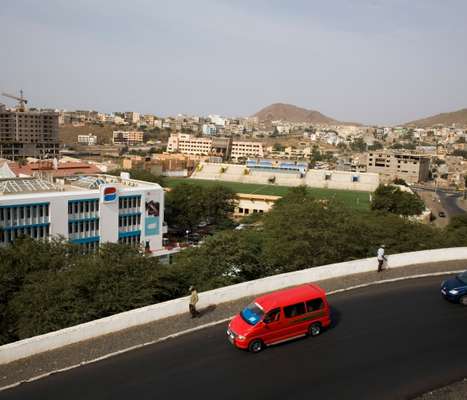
{"type": "Point", "coordinates": [449, 203]}
{"type": "Point", "coordinates": [391, 341]}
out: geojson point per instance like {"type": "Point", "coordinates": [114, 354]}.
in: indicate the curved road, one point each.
{"type": "Point", "coordinates": [390, 341]}
{"type": "Point", "coordinates": [449, 203]}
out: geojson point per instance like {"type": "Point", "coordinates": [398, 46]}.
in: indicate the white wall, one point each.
{"type": "Point", "coordinates": [341, 180]}
{"type": "Point", "coordinates": [25, 348]}
{"type": "Point", "coordinates": [108, 215]}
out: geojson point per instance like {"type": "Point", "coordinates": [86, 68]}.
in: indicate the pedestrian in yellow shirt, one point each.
{"type": "Point", "coordinates": [193, 300]}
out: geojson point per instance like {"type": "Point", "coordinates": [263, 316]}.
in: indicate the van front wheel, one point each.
{"type": "Point", "coordinates": [255, 346]}
{"type": "Point", "coordinates": [314, 329]}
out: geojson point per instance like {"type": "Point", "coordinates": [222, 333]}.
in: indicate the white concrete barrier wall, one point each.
{"type": "Point", "coordinates": [53, 340]}
{"type": "Point", "coordinates": [340, 180]}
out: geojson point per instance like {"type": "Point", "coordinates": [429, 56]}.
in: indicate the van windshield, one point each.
{"type": "Point", "coordinates": [252, 314]}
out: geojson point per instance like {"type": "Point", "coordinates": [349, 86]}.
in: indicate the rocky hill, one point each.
{"type": "Point", "coordinates": [291, 113]}
{"type": "Point", "coordinates": [457, 117]}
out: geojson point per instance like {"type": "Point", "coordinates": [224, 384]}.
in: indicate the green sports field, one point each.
{"type": "Point", "coordinates": [353, 199]}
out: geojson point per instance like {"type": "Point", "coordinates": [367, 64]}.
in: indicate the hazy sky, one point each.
{"type": "Point", "coordinates": [372, 61]}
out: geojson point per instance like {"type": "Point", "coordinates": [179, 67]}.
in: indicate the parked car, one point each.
{"type": "Point", "coordinates": [455, 288]}
{"type": "Point", "coordinates": [280, 316]}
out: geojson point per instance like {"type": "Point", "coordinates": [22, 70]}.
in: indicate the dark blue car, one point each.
{"type": "Point", "coordinates": [455, 289]}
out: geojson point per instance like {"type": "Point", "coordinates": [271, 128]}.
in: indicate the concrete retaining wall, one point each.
{"type": "Point", "coordinates": [27, 347]}
{"type": "Point", "coordinates": [339, 180]}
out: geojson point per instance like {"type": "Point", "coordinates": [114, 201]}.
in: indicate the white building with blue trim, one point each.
{"type": "Point", "coordinates": [87, 210]}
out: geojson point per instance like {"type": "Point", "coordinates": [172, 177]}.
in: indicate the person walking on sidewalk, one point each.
{"type": "Point", "coordinates": [193, 300]}
{"type": "Point", "coordinates": [381, 258]}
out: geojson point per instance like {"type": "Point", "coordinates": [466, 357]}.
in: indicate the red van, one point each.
{"type": "Point", "coordinates": [280, 316]}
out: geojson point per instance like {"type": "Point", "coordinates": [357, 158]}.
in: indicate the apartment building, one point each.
{"type": "Point", "coordinates": [290, 153]}
{"type": "Point", "coordinates": [246, 149]}
{"type": "Point", "coordinates": [26, 133]}
{"type": "Point", "coordinates": [87, 210]}
{"type": "Point", "coordinates": [413, 168]}
{"type": "Point", "coordinates": [131, 117]}
{"type": "Point", "coordinates": [220, 146]}
{"type": "Point", "coordinates": [128, 138]}
{"type": "Point", "coordinates": [89, 140]}
{"type": "Point", "coordinates": [187, 144]}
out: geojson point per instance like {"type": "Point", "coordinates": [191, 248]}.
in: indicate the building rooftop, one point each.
{"type": "Point", "coordinates": [15, 186]}
{"type": "Point", "coordinates": [62, 169]}
{"type": "Point", "coordinates": [25, 185]}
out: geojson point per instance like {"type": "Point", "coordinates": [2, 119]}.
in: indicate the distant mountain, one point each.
{"type": "Point", "coordinates": [456, 117]}
{"type": "Point", "coordinates": [291, 113]}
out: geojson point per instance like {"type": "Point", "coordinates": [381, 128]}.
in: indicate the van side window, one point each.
{"type": "Point", "coordinates": [315, 304]}
{"type": "Point", "coordinates": [272, 316]}
{"type": "Point", "coordinates": [294, 310]}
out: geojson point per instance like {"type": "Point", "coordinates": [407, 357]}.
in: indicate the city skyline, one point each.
{"type": "Point", "coordinates": [364, 61]}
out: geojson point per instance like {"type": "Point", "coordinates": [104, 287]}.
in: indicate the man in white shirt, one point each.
{"type": "Point", "coordinates": [381, 258]}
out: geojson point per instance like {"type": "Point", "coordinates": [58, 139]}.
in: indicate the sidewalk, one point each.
{"type": "Point", "coordinates": [75, 354]}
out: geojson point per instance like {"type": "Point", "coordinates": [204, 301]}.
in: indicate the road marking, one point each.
{"type": "Point", "coordinates": [403, 278]}
{"type": "Point", "coordinates": [197, 328]}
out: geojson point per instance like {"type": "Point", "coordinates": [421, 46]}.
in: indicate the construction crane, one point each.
{"type": "Point", "coordinates": [21, 100]}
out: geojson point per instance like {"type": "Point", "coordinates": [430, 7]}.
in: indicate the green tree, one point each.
{"type": "Point", "coordinates": [298, 234]}
{"type": "Point", "coordinates": [315, 154]}
{"type": "Point", "coordinates": [358, 145]}
{"type": "Point", "coordinates": [219, 203]}
{"type": "Point", "coordinates": [184, 206]}
{"type": "Point", "coordinates": [342, 146]}
{"type": "Point", "coordinates": [18, 262]}
{"type": "Point", "coordinates": [116, 279]}
{"type": "Point", "coordinates": [187, 205]}
{"type": "Point", "coordinates": [226, 258]}
{"type": "Point", "coordinates": [392, 199]}
{"type": "Point", "coordinates": [375, 146]}
{"type": "Point", "coordinates": [278, 147]}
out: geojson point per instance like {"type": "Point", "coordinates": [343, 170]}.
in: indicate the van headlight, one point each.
{"type": "Point", "coordinates": [454, 291]}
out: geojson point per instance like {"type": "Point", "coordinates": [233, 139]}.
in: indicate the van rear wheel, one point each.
{"type": "Point", "coordinates": [255, 346]}
{"type": "Point", "coordinates": [463, 300]}
{"type": "Point", "coordinates": [314, 329]}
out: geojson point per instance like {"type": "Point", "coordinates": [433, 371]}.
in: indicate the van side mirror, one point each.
{"type": "Point", "coordinates": [267, 320]}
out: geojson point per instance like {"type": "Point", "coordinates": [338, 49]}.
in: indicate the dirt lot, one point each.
{"type": "Point", "coordinates": [68, 134]}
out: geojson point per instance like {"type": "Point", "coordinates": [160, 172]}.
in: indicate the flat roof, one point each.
{"type": "Point", "coordinates": [290, 296]}
{"type": "Point", "coordinates": [31, 185]}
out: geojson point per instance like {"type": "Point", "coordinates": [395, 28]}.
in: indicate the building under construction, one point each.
{"type": "Point", "coordinates": [27, 133]}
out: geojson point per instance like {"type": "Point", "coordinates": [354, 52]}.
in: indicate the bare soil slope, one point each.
{"type": "Point", "coordinates": [456, 117]}
{"type": "Point", "coordinates": [291, 113]}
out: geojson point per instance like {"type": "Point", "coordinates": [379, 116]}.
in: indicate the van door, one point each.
{"type": "Point", "coordinates": [273, 328]}
{"type": "Point", "coordinates": [294, 320]}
